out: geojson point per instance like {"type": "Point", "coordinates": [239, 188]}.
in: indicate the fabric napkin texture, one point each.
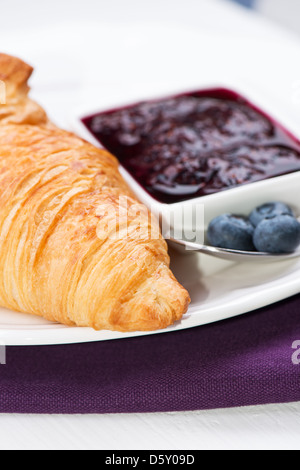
{"type": "Point", "coordinates": [247, 360]}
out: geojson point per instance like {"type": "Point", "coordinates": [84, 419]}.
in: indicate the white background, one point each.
{"type": "Point", "coordinates": [284, 12]}
{"type": "Point", "coordinates": [22, 26]}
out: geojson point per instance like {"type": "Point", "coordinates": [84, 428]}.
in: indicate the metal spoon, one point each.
{"type": "Point", "coordinates": [235, 255]}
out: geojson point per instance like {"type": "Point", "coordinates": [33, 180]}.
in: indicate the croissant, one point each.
{"type": "Point", "coordinates": [76, 246]}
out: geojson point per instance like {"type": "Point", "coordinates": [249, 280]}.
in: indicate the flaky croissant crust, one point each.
{"type": "Point", "coordinates": [58, 259]}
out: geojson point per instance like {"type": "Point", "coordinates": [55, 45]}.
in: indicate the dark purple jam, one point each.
{"type": "Point", "coordinates": [195, 144]}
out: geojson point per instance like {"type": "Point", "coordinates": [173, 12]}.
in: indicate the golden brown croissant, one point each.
{"type": "Point", "coordinates": [61, 256]}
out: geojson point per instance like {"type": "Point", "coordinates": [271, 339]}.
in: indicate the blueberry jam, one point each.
{"type": "Point", "coordinates": [195, 144]}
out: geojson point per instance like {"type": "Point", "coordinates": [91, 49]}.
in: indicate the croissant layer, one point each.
{"type": "Point", "coordinates": [76, 247]}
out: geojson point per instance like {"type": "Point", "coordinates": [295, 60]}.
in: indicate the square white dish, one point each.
{"type": "Point", "coordinates": [241, 199]}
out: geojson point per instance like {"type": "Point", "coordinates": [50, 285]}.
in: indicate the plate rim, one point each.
{"type": "Point", "coordinates": [58, 334]}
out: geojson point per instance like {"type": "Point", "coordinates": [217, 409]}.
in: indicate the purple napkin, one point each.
{"type": "Point", "coordinates": [248, 360]}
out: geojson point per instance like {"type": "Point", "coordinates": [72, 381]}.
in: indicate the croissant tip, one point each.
{"type": "Point", "coordinates": [14, 72]}
{"type": "Point", "coordinates": [158, 304]}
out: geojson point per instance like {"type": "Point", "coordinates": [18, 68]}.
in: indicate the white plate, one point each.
{"type": "Point", "coordinates": [218, 289]}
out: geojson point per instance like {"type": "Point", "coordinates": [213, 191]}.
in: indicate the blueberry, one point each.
{"type": "Point", "coordinates": [271, 209]}
{"type": "Point", "coordinates": [279, 234]}
{"type": "Point", "coordinates": [230, 231]}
